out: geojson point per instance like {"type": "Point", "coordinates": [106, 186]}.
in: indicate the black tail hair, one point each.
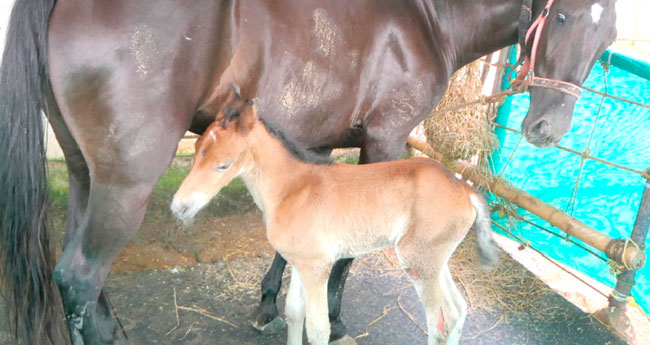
{"type": "Point", "coordinates": [26, 257]}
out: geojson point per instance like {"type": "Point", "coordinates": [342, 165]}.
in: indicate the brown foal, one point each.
{"type": "Point", "coordinates": [316, 214]}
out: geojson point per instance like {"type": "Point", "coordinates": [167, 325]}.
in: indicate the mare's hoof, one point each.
{"type": "Point", "coordinates": [275, 326]}
{"type": "Point", "coordinates": [346, 340]}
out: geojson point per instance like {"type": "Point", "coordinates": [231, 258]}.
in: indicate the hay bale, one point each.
{"type": "Point", "coordinates": [462, 132]}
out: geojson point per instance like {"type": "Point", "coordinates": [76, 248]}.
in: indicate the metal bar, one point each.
{"type": "Point", "coordinates": [625, 281]}
{"type": "Point", "coordinates": [643, 105]}
{"type": "Point", "coordinates": [627, 63]}
{"type": "Point", "coordinates": [630, 257]}
{"type": "Point", "coordinates": [644, 174]}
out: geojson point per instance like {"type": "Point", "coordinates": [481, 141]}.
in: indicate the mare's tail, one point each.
{"type": "Point", "coordinates": [488, 252]}
{"type": "Point", "coordinates": [26, 258]}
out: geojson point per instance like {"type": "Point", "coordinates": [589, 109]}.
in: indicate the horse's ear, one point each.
{"type": "Point", "coordinates": [247, 117]}
{"type": "Point", "coordinates": [233, 106]}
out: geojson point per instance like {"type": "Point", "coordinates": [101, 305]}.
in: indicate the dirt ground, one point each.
{"type": "Point", "coordinates": [199, 284]}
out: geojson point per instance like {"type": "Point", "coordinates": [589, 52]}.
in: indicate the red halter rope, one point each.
{"type": "Point", "coordinates": [528, 69]}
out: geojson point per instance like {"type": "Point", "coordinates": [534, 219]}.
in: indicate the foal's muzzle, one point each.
{"type": "Point", "coordinates": [186, 208]}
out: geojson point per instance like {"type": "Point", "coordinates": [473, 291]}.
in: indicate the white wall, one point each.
{"type": "Point", "coordinates": [633, 28]}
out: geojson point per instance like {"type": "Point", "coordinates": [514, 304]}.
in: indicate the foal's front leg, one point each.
{"type": "Point", "coordinates": [294, 309]}
{"type": "Point", "coordinates": [314, 280]}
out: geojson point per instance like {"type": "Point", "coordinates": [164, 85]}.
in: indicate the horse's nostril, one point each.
{"type": "Point", "coordinates": [541, 128]}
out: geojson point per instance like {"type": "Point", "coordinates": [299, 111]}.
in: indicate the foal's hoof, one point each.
{"type": "Point", "coordinates": [275, 326]}
{"type": "Point", "coordinates": [346, 340]}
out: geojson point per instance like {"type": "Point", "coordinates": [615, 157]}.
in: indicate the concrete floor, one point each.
{"type": "Point", "coordinates": [144, 302]}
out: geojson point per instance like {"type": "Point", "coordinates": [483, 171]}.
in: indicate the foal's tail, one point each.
{"type": "Point", "coordinates": [25, 254]}
{"type": "Point", "coordinates": [489, 255]}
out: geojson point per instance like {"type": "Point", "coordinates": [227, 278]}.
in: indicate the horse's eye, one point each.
{"type": "Point", "coordinates": [204, 152]}
{"type": "Point", "coordinates": [223, 166]}
{"type": "Point", "coordinates": [561, 18]}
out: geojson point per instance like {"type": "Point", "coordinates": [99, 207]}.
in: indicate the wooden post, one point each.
{"type": "Point", "coordinates": [625, 281]}
{"type": "Point", "coordinates": [630, 257]}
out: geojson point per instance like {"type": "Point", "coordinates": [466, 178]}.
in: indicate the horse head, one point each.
{"type": "Point", "coordinates": [555, 68]}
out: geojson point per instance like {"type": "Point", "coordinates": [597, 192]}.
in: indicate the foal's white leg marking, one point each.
{"type": "Point", "coordinates": [295, 309]}
{"type": "Point", "coordinates": [596, 11]}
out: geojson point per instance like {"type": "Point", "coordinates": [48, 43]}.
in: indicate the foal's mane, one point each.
{"type": "Point", "coordinates": [298, 151]}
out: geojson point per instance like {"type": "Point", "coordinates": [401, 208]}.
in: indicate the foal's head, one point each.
{"type": "Point", "coordinates": [574, 35]}
{"type": "Point", "coordinates": [221, 154]}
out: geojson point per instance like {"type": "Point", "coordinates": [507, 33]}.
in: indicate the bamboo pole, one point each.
{"type": "Point", "coordinates": [630, 257]}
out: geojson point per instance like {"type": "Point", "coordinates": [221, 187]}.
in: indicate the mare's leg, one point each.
{"type": "Point", "coordinates": [114, 213]}
{"type": "Point", "coordinates": [125, 163]}
{"type": "Point", "coordinates": [267, 319]}
{"type": "Point", "coordinates": [78, 192]}
{"type": "Point", "coordinates": [294, 309]}
{"type": "Point", "coordinates": [78, 174]}
{"type": "Point", "coordinates": [335, 287]}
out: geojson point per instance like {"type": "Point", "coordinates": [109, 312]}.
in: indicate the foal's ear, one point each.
{"type": "Point", "coordinates": [233, 107]}
{"type": "Point", "coordinates": [247, 118]}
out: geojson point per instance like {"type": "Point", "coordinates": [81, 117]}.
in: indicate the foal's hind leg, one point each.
{"type": "Point", "coordinates": [454, 298]}
{"type": "Point", "coordinates": [426, 265]}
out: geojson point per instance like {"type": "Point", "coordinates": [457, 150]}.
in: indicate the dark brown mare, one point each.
{"type": "Point", "coordinates": [122, 80]}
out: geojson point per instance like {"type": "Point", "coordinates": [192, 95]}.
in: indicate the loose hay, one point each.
{"type": "Point", "coordinates": [508, 289]}
{"type": "Point", "coordinates": [458, 131]}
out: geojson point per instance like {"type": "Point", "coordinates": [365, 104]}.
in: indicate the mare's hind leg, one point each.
{"type": "Point", "coordinates": [78, 191]}
{"type": "Point", "coordinates": [123, 173]}
{"type": "Point", "coordinates": [114, 213]}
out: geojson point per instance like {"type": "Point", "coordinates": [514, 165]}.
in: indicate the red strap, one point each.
{"type": "Point", "coordinates": [528, 69]}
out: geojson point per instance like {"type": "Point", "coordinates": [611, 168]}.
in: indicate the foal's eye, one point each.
{"type": "Point", "coordinates": [223, 166]}
{"type": "Point", "coordinates": [561, 18]}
